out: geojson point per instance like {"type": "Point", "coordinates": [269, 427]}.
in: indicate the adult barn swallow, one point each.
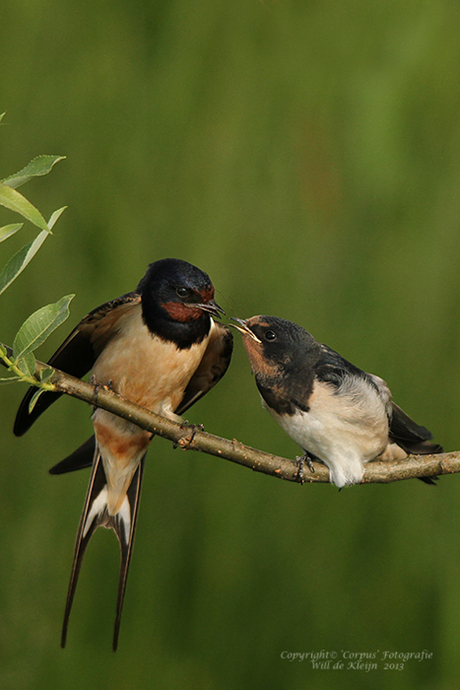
{"type": "Point", "coordinates": [338, 414]}
{"type": "Point", "coordinates": [158, 347]}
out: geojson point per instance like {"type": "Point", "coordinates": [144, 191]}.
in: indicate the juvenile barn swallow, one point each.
{"type": "Point", "coordinates": [158, 347]}
{"type": "Point", "coordinates": [338, 414]}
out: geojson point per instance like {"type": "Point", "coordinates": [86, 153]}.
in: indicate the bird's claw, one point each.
{"type": "Point", "coordinates": [301, 460]}
{"type": "Point", "coordinates": [98, 385]}
{"type": "Point", "coordinates": [186, 441]}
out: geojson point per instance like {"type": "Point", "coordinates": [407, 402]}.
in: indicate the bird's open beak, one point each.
{"type": "Point", "coordinates": [211, 307]}
{"type": "Point", "coordinates": [243, 327]}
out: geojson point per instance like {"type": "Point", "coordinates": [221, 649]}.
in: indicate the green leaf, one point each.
{"type": "Point", "coordinates": [35, 330]}
{"type": "Point", "coordinates": [20, 260]}
{"type": "Point", "coordinates": [46, 374]}
{"type": "Point", "coordinates": [2, 116]}
{"type": "Point", "coordinates": [13, 200]}
{"type": "Point", "coordinates": [10, 379]}
{"type": "Point", "coordinates": [34, 398]}
{"type": "Point", "coordinates": [26, 363]}
{"type": "Point", "coordinates": [41, 165]}
{"type": "Point", "coordinates": [55, 216]}
{"type": "Point", "coordinates": [8, 230]}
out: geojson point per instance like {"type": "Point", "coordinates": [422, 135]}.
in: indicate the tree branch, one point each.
{"type": "Point", "coordinates": [189, 437]}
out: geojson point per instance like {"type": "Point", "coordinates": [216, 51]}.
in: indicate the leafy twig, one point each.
{"type": "Point", "coordinates": [190, 438]}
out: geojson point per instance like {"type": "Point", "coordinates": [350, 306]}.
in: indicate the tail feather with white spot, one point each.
{"type": "Point", "coordinates": [95, 514]}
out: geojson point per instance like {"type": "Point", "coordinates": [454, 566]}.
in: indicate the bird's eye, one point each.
{"type": "Point", "coordinates": [270, 335]}
{"type": "Point", "coordinates": [182, 292]}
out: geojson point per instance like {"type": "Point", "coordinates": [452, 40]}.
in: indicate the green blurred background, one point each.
{"type": "Point", "coordinates": [306, 155]}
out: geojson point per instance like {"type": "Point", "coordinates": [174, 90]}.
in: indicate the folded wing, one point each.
{"type": "Point", "coordinates": [77, 354]}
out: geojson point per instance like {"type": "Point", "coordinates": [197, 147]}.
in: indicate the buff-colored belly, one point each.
{"type": "Point", "coordinates": [149, 371]}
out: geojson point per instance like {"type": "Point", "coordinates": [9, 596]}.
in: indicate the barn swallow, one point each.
{"type": "Point", "coordinates": [159, 347]}
{"type": "Point", "coordinates": [338, 414]}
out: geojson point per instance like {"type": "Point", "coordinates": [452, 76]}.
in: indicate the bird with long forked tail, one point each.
{"type": "Point", "coordinates": [159, 347]}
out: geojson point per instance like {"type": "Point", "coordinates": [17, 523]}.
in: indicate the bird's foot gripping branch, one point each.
{"type": "Point", "coordinates": [412, 467]}
{"type": "Point", "coordinates": [158, 346]}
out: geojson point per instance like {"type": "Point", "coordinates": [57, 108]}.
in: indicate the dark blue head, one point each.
{"type": "Point", "coordinates": [177, 299]}
{"type": "Point", "coordinates": [282, 356]}
{"type": "Point", "coordinates": [274, 342]}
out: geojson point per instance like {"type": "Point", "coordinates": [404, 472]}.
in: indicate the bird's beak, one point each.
{"type": "Point", "coordinates": [211, 307]}
{"type": "Point", "coordinates": [243, 327]}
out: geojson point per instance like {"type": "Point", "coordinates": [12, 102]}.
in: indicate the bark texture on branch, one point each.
{"type": "Point", "coordinates": [189, 437]}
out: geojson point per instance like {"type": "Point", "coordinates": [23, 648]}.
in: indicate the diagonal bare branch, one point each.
{"type": "Point", "coordinates": [189, 437]}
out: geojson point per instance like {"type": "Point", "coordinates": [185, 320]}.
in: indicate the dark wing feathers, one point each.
{"type": "Point", "coordinates": [78, 460]}
{"type": "Point", "coordinates": [333, 368]}
{"type": "Point", "coordinates": [412, 437]}
{"type": "Point", "coordinates": [212, 367]}
{"type": "Point", "coordinates": [78, 352]}
{"type": "Point", "coordinates": [97, 482]}
{"type": "Point", "coordinates": [76, 356]}
{"type": "Point", "coordinates": [126, 545]}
